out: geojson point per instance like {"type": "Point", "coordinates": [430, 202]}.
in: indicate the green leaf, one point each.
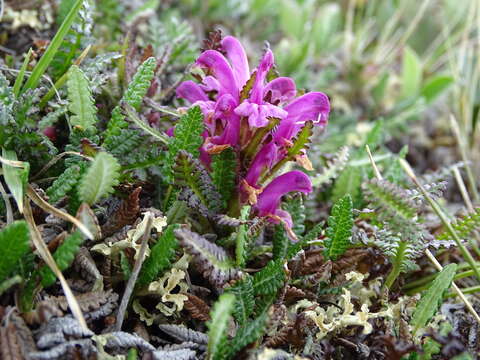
{"type": "Point", "coordinates": [248, 333]}
{"type": "Point", "coordinates": [411, 73]}
{"type": "Point", "coordinates": [224, 174]}
{"type": "Point", "coordinates": [100, 178]}
{"type": "Point", "coordinates": [349, 182]}
{"type": "Point", "coordinates": [67, 181]}
{"type": "Point", "coordinates": [63, 256]}
{"type": "Point", "coordinates": [244, 299]}
{"type": "Point", "coordinates": [339, 230]}
{"type": "Point", "coordinates": [14, 242]}
{"type": "Point", "coordinates": [187, 137]}
{"type": "Point", "coordinates": [133, 96]}
{"type": "Point", "coordinates": [218, 327]}
{"type": "Point", "coordinates": [294, 206]}
{"type": "Point", "coordinates": [21, 74]}
{"type": "Point", "coordinates": [15, 177]}
{"type": "Point", "coordinates": [57, 40]}
{"type": "Point", "coordinates": [294, 248]}
{"type": "Point", "coordinates": [160, 257]}
{"type": "Point", "coordinates": [191, 172]}
{"type": "Point", "coordinates": [435, 87]}
{"type": "Point", "coordinates": [268, 280]}
{"type": "Point", "coordinates": [433, 297]}
{"type": "Point", "coordinates": [280, 243]}
{"type": "Point", "coordinates": [81, 102]}
{"type": "Point", "coordinates": [241, 241]}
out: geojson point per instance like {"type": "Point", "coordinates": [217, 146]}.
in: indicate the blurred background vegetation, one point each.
{"type": "Point", "coordinates": [397, 71]}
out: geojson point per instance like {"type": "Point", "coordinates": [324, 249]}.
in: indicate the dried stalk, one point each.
{"type": "Point", "coordinates": [133, 277]}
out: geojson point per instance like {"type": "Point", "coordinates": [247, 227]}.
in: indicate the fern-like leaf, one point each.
{"type": "Point", "coordinates": [100, 178]}
{"type": "Point", "coordinates": [66, 182]}
{"type": "Point", "coordinates": [191, 172]}
{"type": "Point", "coordinates": [339, 230]}
{"type": "Point", "coordinates": [80, 99]}
{"type": "Point", "coordinates": [211, 260]}
{"type": "Point", "coordinates": [217, 348]}
{"type": "Point", "coordinates": [332, 168]}
{"type": "Point", "coordinates": [268, 280]}
{"type": "Point", "coordinates": [280, 243]}
{"type": "Point", "coordinates": [294, 206]}
{"type": "Point", "coordinates": [160, 257]}
{"type": "Point", "coordinates": [223, 174]}
{"type": "Point", "coordinates": [14, 242]}
{"type": "Point", "coordinates": [133, 96]}
{"type": "Point", "coordinates": [187, 136]}
{"type": "Point", "coordinates": [464, 226]}
{"type": "Point", "coordinates": [248, 333]}
{"type": "Point", "coordinates": [244, 299]}
{"type": "Point", "coordinates": [349, 182]}
{"type": "Point", "coordinates": [63, 256]}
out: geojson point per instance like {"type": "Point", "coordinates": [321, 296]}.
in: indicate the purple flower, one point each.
{"type": "Point", "coordinates": [269, 200]}
{"type": "Point", "coordinates": [232, 121]}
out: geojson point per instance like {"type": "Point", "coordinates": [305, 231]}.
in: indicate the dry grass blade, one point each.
{"type": "Point", "coordinates": [136, 270]}
{"type": "Point", "coordinates": [37, 199]}
{"type": "Point", "coordinates": [48, 258]}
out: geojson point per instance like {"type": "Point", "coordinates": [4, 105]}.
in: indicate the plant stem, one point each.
{"type": "Point", "coordinates": [397, 265]}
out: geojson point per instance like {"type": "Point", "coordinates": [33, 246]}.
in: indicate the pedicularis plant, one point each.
{"type": "Point", "coordinates": [258, 116]}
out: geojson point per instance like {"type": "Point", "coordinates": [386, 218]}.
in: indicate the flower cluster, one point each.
{"type": "Point", "coordinates": [259, 119]}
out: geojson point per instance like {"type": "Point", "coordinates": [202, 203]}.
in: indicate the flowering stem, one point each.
{"type": "Point", "coordinates": [252, 147]}
{"type": "Point", "coordinates": [298, 146]}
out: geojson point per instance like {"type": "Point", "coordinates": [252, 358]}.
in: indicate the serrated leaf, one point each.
{"type": "Point", "coordinates": [15, 177]}
{"type": "Point", "coordinates": [280, 243]}
{"type": "Point", "coordinates": [187, 136]}
{"type": "Point", "coordinates": [100, 178]}
{"type": "Point", "coordinates": [349, 182]}
{"type": "Point", "coordinates": [14, 243]}
{"type": "Point", "coordinates": [63, 256]}
{"type": "Point", "coordinates": [81, 102]}
{"type": "Point", "coordinates": [433, 297]}
{"type": "Point", "coordinates": [339, 230]}
{"type": "Point", "coordinates": [244, 299]}
{"type": "Point", "coordinates": [268, 280]}
{"type": "Point", "coordinates": [133, 96]}
{"type": "Point", "coordinates": [224, 174]}
{"type": "Point", "coordinates": [160, 256]}
{"type": "Point", "coordinates": [218, 327]}
{"type": "Point", "coordinates": [248, 333]}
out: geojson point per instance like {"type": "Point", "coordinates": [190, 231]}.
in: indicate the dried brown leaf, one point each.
{"type": "Point", "coordinates": [197, 308]}
{"type": "Point", "coordinates": [126, 214]}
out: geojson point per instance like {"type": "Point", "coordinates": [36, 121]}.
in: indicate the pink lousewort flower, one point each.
{"type": "Point", "coordinates": [232, 118]}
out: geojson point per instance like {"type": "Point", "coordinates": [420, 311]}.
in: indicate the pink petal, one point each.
{"type": "Point", "coordinates": [283, 90]}
{"type": "Point", "coordinates": [269, 199]}
{"type": "Point", "coordinates": [218, 65]}
{"type": "Point", "coordinates": [263, 68]}
{"type": "Point", "coordinates": [312, 106]}
{"type": "Point", "coordinates": [191, 92]}
{"type": "Point", "coordinates": [238, 60]}
{"type": "Point", "coordinates": [264, 159]}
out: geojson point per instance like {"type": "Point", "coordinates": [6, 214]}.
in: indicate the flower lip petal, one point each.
{"type": "Point", "coordinates": [238, 59]}
{"type": "Point", "coordinates": [283, 89]}
{"type": "Point", "coordinates": [191, 92]}
{"type": "Point", "coordinates": [269, 199]}
{"type": "Point", "coordinates": [313, 106]}
{"type": "Point", "coordinates": [221, 70]}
